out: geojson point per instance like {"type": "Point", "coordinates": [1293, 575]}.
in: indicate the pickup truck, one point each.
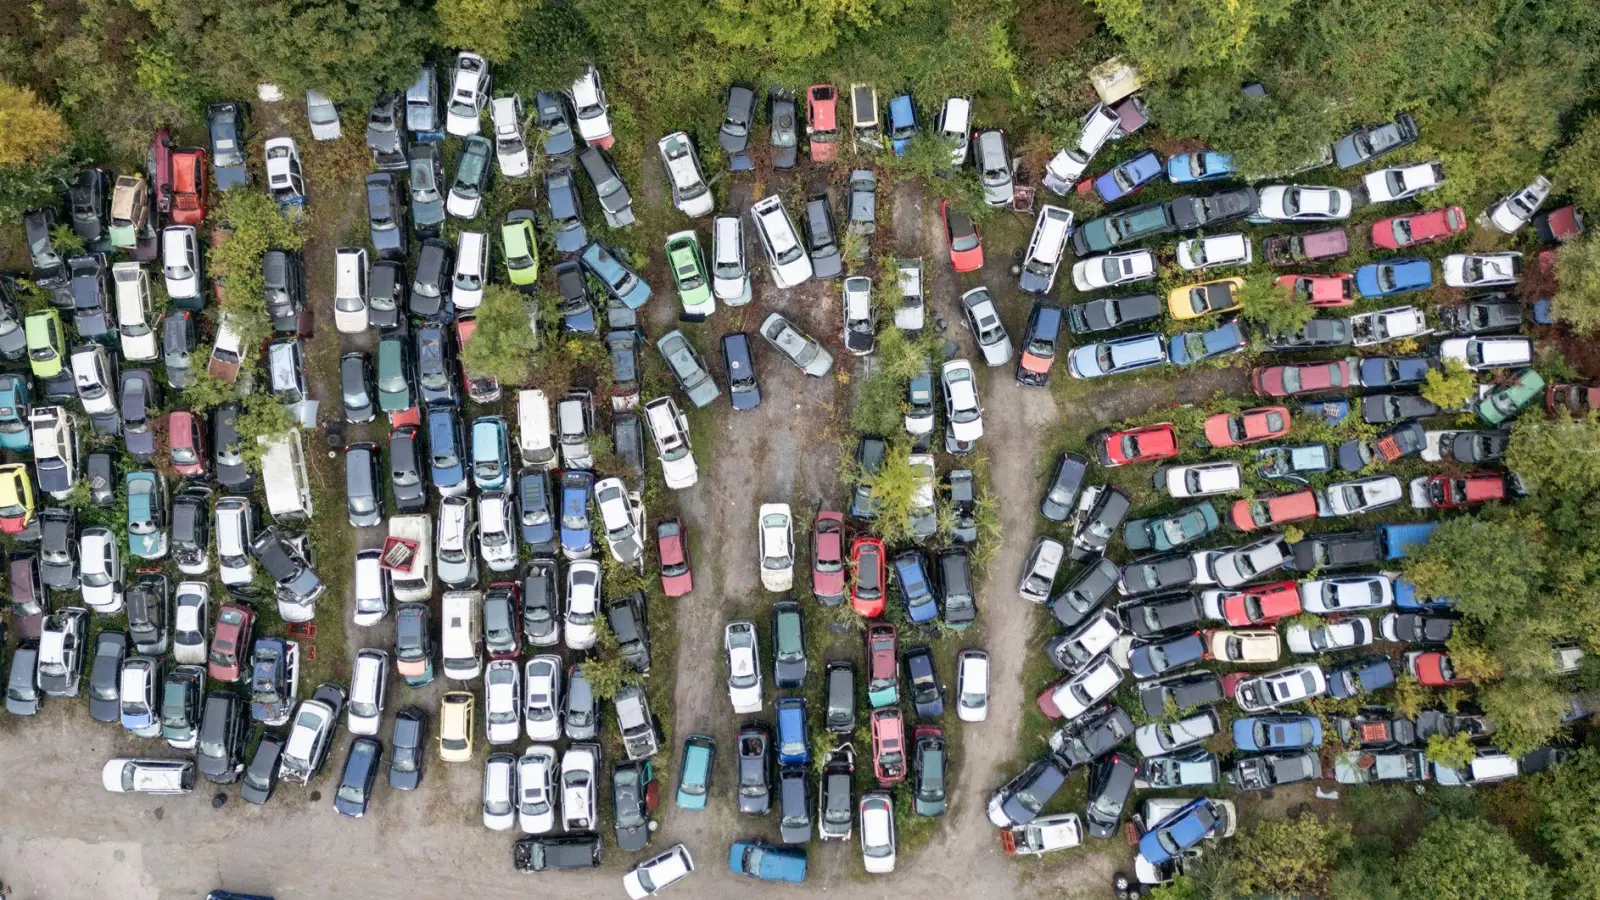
{"type": "Point", "coordinates": [573, 851]}
{"type": "Point", "coordinates": [1058, 832]}
{"type": "Point", "coordinates": [1390, 324]}
{"type": "Point", "coordinates": [911, 314]}
{"type": "Point", "coordinates": [410, 578]}
{"type": "Point", "coordinates": [639, 738]}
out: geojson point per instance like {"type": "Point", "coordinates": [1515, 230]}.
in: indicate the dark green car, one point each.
{"type": "Point", "coordinates": [1123, 227]}
{"type": "Point", "coordinates": [394, 376]}
{"type": "Point", "coordinates": [927, 761]}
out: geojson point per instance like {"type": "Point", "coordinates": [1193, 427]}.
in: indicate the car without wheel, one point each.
{"type": "Point", "coordinates": [800, 349]}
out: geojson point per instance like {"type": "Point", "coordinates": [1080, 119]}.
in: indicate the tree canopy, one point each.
{"type": "Point", "coordinates": [1468, 859]}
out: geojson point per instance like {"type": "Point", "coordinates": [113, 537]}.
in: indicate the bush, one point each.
{"type": "Point", "coordinates": [250, 224]}
{"type": "Point", "coordinates": [1567, 825]}
{"type": "Point", "coordinates": [1455, 752]}
{"type": "Point", "coordinates": [1468, 859]}
{"type": "Point", "coordinates": [1451, 387]}
{"type": "Point", "coordinates": [1276, 310]}
{"type": "Point", "coordinates": [503, 344]}
{"type": "Point", "coordinates": [893, 490]}
{"type": "Point", "coordinates": [1577, 300]}
{"type": "Point", "coordinates": [1287, 857]}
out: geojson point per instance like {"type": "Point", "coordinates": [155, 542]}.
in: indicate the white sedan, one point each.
{"type": "Point", "coordinates": [744, 666]}
{"type": "Point", "coordinates": [536, 799]}
{"type": "Point", "coordinates": [502, 703]}
{"type": "Point", "coordinates": [1298, 203]}
{"type": "Point", "coordinates": [1272, 690]}
{"type": "Point", "coordinates": [1363, 495]}
{"type": "Point", "coordinates": [1514, 210]}
{"type": "Point", "coordinates": [1329, 637]}
{"type": "Point", "coordinates": [1472, 270]}
{"type": "Point", "coordinates": [1231, 249]}
{"type": "Point", "coordinates": [1400, 182]}
{"type": "Point", "coordinates": [542, 690]}
{"type": "Point", "coordinates": [877, 832]}
{"type": "Point", "coordinates": [1349, 593]}
{"type": "Point", "coordinates": [1113, 269]}
{"type": "Point", "coordinates": [617, 514]}
{"type": "Point", "coordinates": [777, 546]}
{"type": "Point", "coordinates": [580, 767]}
{"type": "Point", "coordinates": [469, 93]}
{"type": "Point", "coordinates": [962, 412]}
{"type": "Point", "coordinates": [654, 874]}
{"type": "Point", "coordinates": [583, 603]}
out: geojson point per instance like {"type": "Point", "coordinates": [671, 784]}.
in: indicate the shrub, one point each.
{"type": "Point", "coordinates": [1451, 387]}
{"type": "Point", "coordinates": [503, 344]}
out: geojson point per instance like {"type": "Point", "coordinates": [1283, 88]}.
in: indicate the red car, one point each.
{"type": "Point", "coordinates": [188, 186]}
{"type": "Point", "coordinates": [827, 557]}
{"type": "Point", "coordinates": [671, 544]}
{"type": "Point", "coordinates": [227, 644]}
{"type": "Point", "coordinates": [186, 440]}
{"type": "Point", "coordinates": [1261, 604]}
{"type": "Point", "coordinates": [1294, 379]}
{"type": "Point", "coordinates": [866, 590]}
{"type": "Point", "coordinates": [1456, 491]}
{"type": "Point", "coordinates": [1432, 668]}
{"type": "Point", "coordinates": [888, 745]}
{"type": "Point", "coordinates": [159, 163]}
{"type": "Point", "coordinates": [966, 247]}
{"type": "Point", "coordinates": [1261, 512]}
{"type": "Point", "coordinates": [822, 122]}
{"type": "Point", "coordinates": [1399, 232]}
{"type": "Point", "coordinates": [883, 664]}
{"type": "Point", "coordinates": [1574, 398]}
{"type": "Point", "coordinates": [1321, 291]}
{"type": "Point", "coordinates": [1249, 427]}
{"type": "Point", "coordinates": [1136, 445]}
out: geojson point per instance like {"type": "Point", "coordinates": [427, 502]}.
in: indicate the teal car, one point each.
{"type": "Point", "coordinates": [767, 861]}
{"type": "Point", "coordinates": [694, 775]}
{"type": "Point", "coordinates": [1171, 532]}
{"type": "Point", "coordinates": [1506, 402]}
{"type": "Point", "coordinates": [689, 273]}
{"type": "Point", "coordinates": [394, 376]}
{"type": "Point", "coordinates": [520, 248]}
{"type": "Point", "coordinates": [16, 399]}
{"type": "Point", "coordinates": [147, 514]}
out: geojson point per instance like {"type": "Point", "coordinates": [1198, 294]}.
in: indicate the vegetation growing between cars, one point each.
{"type": "Point", "coordinates": [250, 224]}
{"type": "Point", "coordinates": [502, 345]}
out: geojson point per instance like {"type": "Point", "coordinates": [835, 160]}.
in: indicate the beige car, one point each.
{"type": "Point", "coordinates": [1243, 646]}
{"type": "Point", "coordinates": [455, 726]}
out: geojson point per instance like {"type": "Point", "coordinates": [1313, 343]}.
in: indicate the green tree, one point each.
{"type": "Point", "coordinates": [1526, 712]}
{"type": "Point", "coordinates": [486, 27]}
{"type": "Point", "coordinates": [1577, 299]}
{"type": "Point", "coordinates": [1455, 751]}
{"type": "Point", "coordinates": [1492, 568]}
{"type": "Point", "coordinates": [1451, 387]}
{"type": "Point", "coordinates": [1567, 825]}
{"type": "Point", "coordinates": [797, 29]}
{"type": "Point", "coordinates": [350, 50]}
{"type": "Point", "coordinates": [1276, 309]}
{"type": "Point", "coordinates": [503, 344]}
{"type": "Point", "coordinates": [1469, 859]}
{"type": "Point", "coordinates": [251, 224]}
{"type": "Point", "coordinates": [1577, 162]}
{"type": "Point", "coordinates": [894, 490]}
{"type": "Point", "coordinates": [1166, 36]}
{"type": "Point", "coordinates": [1287, 857]}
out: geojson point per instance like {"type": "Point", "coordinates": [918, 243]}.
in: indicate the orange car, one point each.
{"type": "Point", "coordinates": [1261, 512]}
{"type": "Point", "coordinates": [867, 587]}
{"type": "Point", "coordinates": [188, 186]}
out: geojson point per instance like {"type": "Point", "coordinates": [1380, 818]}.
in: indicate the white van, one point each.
{"type": "Point", "coordinates": [350, 290]}
{"type": "Point", "coordinates": [730, 272]}
{"type": "Point", "coordinates": [461, 635]}
{"type": "Point", "coordinates": [225, 356]}
{"type": "Point", "coordinates": [283, 476]}
{"type": "Point", "coordinates": [670, 429]}
{"type": "Point", "coordinates": [133, 312]}
{"type": "Point", "coordinates": [148, 776]}
{"type": "Point", "coordinates": [472, 267]}
{"type": "Point", "coordinates": [954, 125]}
{"type": "Point", "coordinates": [534, 437]}
{"type": "Point", "coordinates": [1043, 259]}
{"type": "Point", "coordinates": [414, 583]}
{"type": "Point", "coordinates": [573, 417]}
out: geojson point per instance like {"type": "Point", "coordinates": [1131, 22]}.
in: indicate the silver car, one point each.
{"type": "Point", "coordinates": [801, 349]}
{"type": "Point", "coordinates": [994, 167]}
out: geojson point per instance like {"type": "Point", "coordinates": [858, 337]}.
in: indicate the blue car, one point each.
{"type": "Point", "coordinates": [1405, 598]}
{"type": "Point", "coordinates": [1259, 734]}
{"type": "Point", "coordinates": [533, 510]}
{"type": "Point", "coordinates": [1200, 165]}
{"type": "Point", "coordinates": [1395, 276]}
{"type": "Point", "coordinates": [1117, 356]}
{"type": "Point", "coordinates": [1128, 178]}
{"type": "Point", "coordinates": [16, 398]}
{"type": "Point", "coordinates": [1192, 347]}
{"type": "Point", "coordinates": [794, 738]}
{"type": "Point", "coordinates": [1185, 827]}
{"type": "Point", "coordinates": [577, 538]}
{"type": "Point", "coordinates": [623, 283]}
{"type": "Point", "coordinates": [1356, 678]}
{"type": "Point", "coordinates": [767, 862]}
{"type": "Point", "coordinates": [147, 514]}
{"type": "Point", "coordinates": [445, 468]}
{"type": "Point", "coordinates": [902, 123]}
{"type": "Point", "coordinates": [491, 453]}
{"type": "Point", "coordinates": [911, 571]}
{"type": "Point", "coordinates": [1161, 657]}
{"type": "Point", "coordinates": [1393, 371]}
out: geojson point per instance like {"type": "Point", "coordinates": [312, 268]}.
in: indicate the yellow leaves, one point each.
{"type": "Point", "coordinates": [1450, 388]}
{"type": "Point", "coordinates": [485, 27]}
{"type": "Point", "coordinates": [31, 131]}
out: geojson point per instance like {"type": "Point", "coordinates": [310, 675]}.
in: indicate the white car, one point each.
{"type": "Point", "coordinates": [744, 666]}
{"type": "Point", "coordinates": [690, 194]}
{"type": "Point", "coordinates": [860, 335]}
{"type": "Point", "coordinates": [180, 261]}
{"type": "Point", "coordinates": [730, 271]}
{"type": "Point", "coordinates": [776, 527]}
{"type": "Point", "coordinates": [658, 873]}
{"type": "Point", "coordinates": [369, 681]}
{"type": "Point", "coordinates": [963, 414]}
{"type": "Point", "coordinates": [1074, 696]}
{"type": "Point", "coordinates": [1392, 324]}
{"type": "Point", "coordinates": [1244, 564]}
{"type": "Point", "coordinates": [1113, 269]}
{"type": "Point", "coordinates": [1329, 637]}
{"type": "Point", "coordinates": [1252, 646]}
{"type": "Point", "coordinates": [137, 338]}
{"type": "Point", "coordinates": [1272, 690]}
{"type": "Point", "coordinates": [1157, 738]}
{"type": "Point", "coordinates": [469, 93]}
{"type": "Point", "coordinates": [1298, 203]}
{"type": "Point", "coordinates": [617, 514]}
{"type": "Point", "coordinates": [785, 255]}
{"type": "Point", "coordinates": [323, 116]}
{"type": "Point", "coordinates": [1348, 593]}
{"type": "Point", "coordinates": [536, 796]}
{"type": "Point", "coordinates": [502, 703]}
{"type": "Point", "coordinates": [349, 290]}
{"type": "Point", "coordinates": [543, 697]}
{"type": "Point", "coordinates": [499, 792]}
{"type": "Point", "coordinates": [1039, 572]}
{"type": "Point", "coordinates": [1488, 352]}
{"type": "Point", "coordinates": [147, 776]}
{"type": "Point", "coordinates": [1514, 210]}
{"type": "Point", "coordinates": [235, 566]}
{"type": "Point", "coordinates": [583, 603]}
{"type": "Point", "coordinates": [1231, 249]}
{"type": "Point", "coordinates": [1475, 270]}
{"type": "Point", "coordinates": [1201, 479]}
{"type": "Point", "coordinates": [589, 102]}
{"type": "Point", "coordinates": [285, 180]}
{"type": "Point", "coordinates": [1362, 495]}
{"type": "Point", "coordinates": [471, 265]}
{"type": "Point", "coordinates": [580, 768]}
{"type": "Point", "coordinates": [1100, 124]}
{"type": "Point", "coordinates": [497, 542]}
{"type": "Point", "coordinates": [972, 685]}
{"type": "Point", "coordinates": [988, 332]}
{"type": "Point", "coordinates": [510, 146]}
{"type": "Point", "coordinates": [190, 613]}
{"type": "Point", "coordinates": [454, 560]}
{"type": "Point", "coordinates": [1400, 182]}
{"type": "Point", "coordinates": [876, 810]}
{"type": "Point", "coordinates": [669, 429]}
{"type": "Point", "coordinates": [371, 588]}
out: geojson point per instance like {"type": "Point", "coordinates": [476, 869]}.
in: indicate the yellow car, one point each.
{"type": "Point", "coordinates": [45, 342]}
{"type": "Point", "coordinates": [455, 726]}
{"type": "Point", "coordinates": [16, 498]}
{"type": "Point", "coordinates": [1196, 300]}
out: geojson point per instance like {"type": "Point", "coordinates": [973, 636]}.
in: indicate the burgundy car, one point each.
{"type": "Point", "coordinates": [227, 644]}
{"type": "Point", "coordinates": [186, 439]}
{"type": "Point", "coordinates": [676, 579]}
{"type": "Point", "coordinates": [827, 557]}
{"type": "Point", "coordinates": [1295, 379]}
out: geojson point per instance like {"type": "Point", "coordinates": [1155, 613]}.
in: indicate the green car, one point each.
{"type": "Point", "coordinates": [694, 776]}
{"type": "Point", "coordinates": [928, 763]}
{"type": "Point", "coordinates": [520, 247]}
{"type": "Point", "coordinates": [1495, 409]}
{"type": "Point", "coordinates": [46, 339]}
{"type": "Point", "coordinates": [689, 271]}
{"type": "Point", "coordinates": [394, 376]}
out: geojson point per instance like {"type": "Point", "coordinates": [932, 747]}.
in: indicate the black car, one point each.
{"type": "Point", "coordinates": [577, 309]}
{"type": "Point", "coordinates": [1417, 628]}
{"type": "Point", "coordinates": [385, 134]}
{"type": "Point", "coordinates": [191, 530]}
{"type": "Point", "coordinates": [355, 784]}
{"type": "Point", "coordinates": [1091, 736]}
{"type": "Point", "coordinates": [1191, 213]}
{"type": "Point", "coordinates": [49, 269]}
{"type": "Point", "coordinates": [627, 436]}
{"type": "Point", "coordinates": [386, 218]}
{"type": "Point", "coordinates": [363, 486]}
{"type": "Point", "coordinates": [1406, 439]}
{"type": "Point", "coordinates": [386, 287]}
{"type": "Point", "coordinates": [409, 742]}
{"type": "Point", "coordinates": [1315, 334]}
{"type": "Point", "coordinates": [1185, 691]}
{"type": "Point", "coordinates": [105, 676]}
{"type": "Point", "coordinates": [89, 198]}
{"type": "Point", "coordinates": [744, 392]}
{"type": "Point", "coordinates": [626, 617]}
{"type": "Point", "coordinates": [1109, 786]}
{"type": "Point", "coordinates": [228, 127]}
{"type": "Point", "coordinates": [23, 696]}
{"type": "Point", "coordinates": [739, 114]}
{"type": "Point", "coordinates": [148, 603]}
{"type": "Point", "coordinates": [1040, 340]}
{"type": "Point", "coordinates": [436, 368]}
{"type": "Point", "coordinates": [1020, 800]}
{"type": "Point", "coordinates": [139, 399]}
{"type": "Point", "coordinates": [178, 338]}
{"type": "Point", "coordinates": [928, 760]}
{"type": "Point", "coordinates": [227, 450]}
{"type": "Point", "coordinates": [430, 288]}
{"type": "Point", "coordinates": [840, 710]}
{"type": "Point", "coordinates": [283, 279]}
{"type": "Point", "coordinates": [413, 637]}
{"type": "Point", "coordinates": [285, 564]}
{"type": "Point", "coordinates": [1159, 572]}
{"type": "Point", "coordinates": [1488, 314]}
{"type": "Point", "coordinates": [540, 854]}
{"type": "Point", "coordinates": [1474, 446]}
{"type": "Point", "coordinates": [822, 238]}
{"type": "Point", "coordinates": [629, 782]}
{"type": "Point", "coordinates": [90, 298]}
{"type": "Point", "coordinates": [1372, 141]}
{"type": "Point", "coordinates": [261, 773]}
{"type": "Point", "coordinates": [554, 123]}
{"type": "Point", "coordinates": [794, 805]}
{"type": "Point", "coordinates": [1335, 550]}
{"type": "Point", "coordinates": [405, 472]}
{"type": "Point", "coordinates": [623, 347]}
{"type": "Point", "coordinates": [566, 209]}
{"type": "Point", "coordinates": [869, 459]}
{"type": "Point", "coordinates": [609, 188]}
{"type": "Point", "coordinates": [1394, 371]}
{"type": "Point", "coordinates": [356, 388]}
{"type": "Point", "coordinates": [1095, 529]}
{"type": "Point", "coordinates": [785, 130]}
{"type": "Point", "coordinates": [1149, 618]}
{"type": "Point", "coordinates": [1110, 313]}
{"type": "Point", "coordinates": [952, 568]}
{"type": "Point", "coordinates": [927, 694]}
{"type": "Point", "coordinates": [1065, 482]}
{"type": "Point", "coordinates": [1093, 583]}
{"type": "Point", "coordinates": [1380, 409]}
{"type": "Point", "coordinates": [58, 548]}
{"type": "Point", "coordinates": [221, 743]}
{"type": "Point", "coordinates": [755, 769]}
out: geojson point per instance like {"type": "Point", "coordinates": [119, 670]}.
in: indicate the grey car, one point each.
{"type": "Point", "coordinates": [785, 129]}
{"type": "Point", "coordinates": [385, 138]}
{"type": "Point", "coordinates": [581, 717]}
{"type": "Point", "coordinates": [566, 209]}
{"type": "Point", "coordinates": [614, 199]}
{"type": "Point", "coordinates": [994, 167]}
{"type": "Point", "coordinates": [688, 368]}
{"type": "Point", "coordinates": [105, 676]}
{"type": "Point", "coordinates": [788, 645]}
{"type": "Point", "coordinates": [822, 238]}
{"type": "Point", "coordinates": [23, 696]}
{"type": "Point", "coordinates": [427, 198]}
{"type": "Point", "coordinates": [386, 218]}
{"type": "Point", "coordinates": [800, 349]}
{"type": "Point", "coordinates": [554, 123]}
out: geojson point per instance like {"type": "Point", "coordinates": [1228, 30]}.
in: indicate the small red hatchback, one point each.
{"type": "Point", "coordinates": [229, 643]}
{"type": "Point", "coordinates": [1136, 445]}
{"type": "Point", "coordinates": [673, 546]}
{"type": "Point", "coordinates": [867, 590]}
{"type": "Point", "coordinates": [827, 557]}
{"type": "Point", "coordinates": [186, 441]}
